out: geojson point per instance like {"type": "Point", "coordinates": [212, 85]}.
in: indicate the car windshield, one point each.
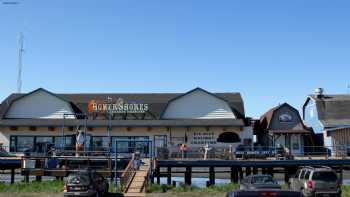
{"type": "Point", "coordinates": [324, 176]}
{"type": "Point", "coordinates": [78, 178]}
{"type": "Point", "coordinates": [262, 180]}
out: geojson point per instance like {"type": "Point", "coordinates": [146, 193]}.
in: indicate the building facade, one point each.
{"type": "Point", "coordinates": [195, 118]}
{"type": "Point", "coordinates": [329, 115]}
{"type": "Point", "coordinates": [282, 125]}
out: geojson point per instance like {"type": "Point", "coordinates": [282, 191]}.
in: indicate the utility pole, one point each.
{"type": "Point", "coordinates": [20, 56]}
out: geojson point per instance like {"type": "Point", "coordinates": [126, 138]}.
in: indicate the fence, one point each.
{"type": "Point", "coordinates": [250, 152]}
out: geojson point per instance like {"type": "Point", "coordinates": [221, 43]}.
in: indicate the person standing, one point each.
{"type": "Point", "coordinates": [80, 141]}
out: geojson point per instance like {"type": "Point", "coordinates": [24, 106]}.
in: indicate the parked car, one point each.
{"type": "Point", "coordinates": [264, 193]}
{"type": "Point", "coordinates": [254, 182]}
{"type": "Point", "coordinates": [85, 183]}
{"type": "Point", "coordinates": [320, 181]}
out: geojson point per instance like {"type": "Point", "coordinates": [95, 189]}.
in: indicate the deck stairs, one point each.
{"type": "Point", "coordinates": [137, 185]}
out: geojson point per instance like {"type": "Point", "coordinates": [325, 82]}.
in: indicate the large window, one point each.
{"type": "Point", "coordinates": [130, 144]}
{"type": "Point", "coordinates": [100, 143]}
{"type": "Point", "coordinates": [24, 143]}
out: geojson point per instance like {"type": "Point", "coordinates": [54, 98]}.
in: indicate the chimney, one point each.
{"type": "Point", "coordinates": [319, 92]}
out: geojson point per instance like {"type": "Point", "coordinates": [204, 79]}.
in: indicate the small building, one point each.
{"type": "Point", "coordinates": [194, 118]}
{"type": "Point", "coordinates": [282, 125]}
{"type": "Point", "coordinates": [329, 115]}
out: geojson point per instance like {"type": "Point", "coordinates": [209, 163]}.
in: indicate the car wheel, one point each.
{"type": "Point", "coordinates": [304, 193]}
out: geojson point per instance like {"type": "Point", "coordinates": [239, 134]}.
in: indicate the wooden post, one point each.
{"type": "Point", "coordinates": [211, 175]}
{"type": "Point", "coordinates": [188, 174]}
{"type": "Point", "coordinates": [38, 178]}
{"type": "Point", "coordinates": [247, 171]}
{"type": "Point", "coordinates": [12, 176]}
{"type": "Point", "coordinates": [26, 178]}
{"type": "Point", "coordinates": [158, 175]}
{"type": "Point", "coordinates": [169, 176]}
{"type": "Point", "coordinates": [234, 175]}
{"type": "Point", "coordinates": [341, 175]}
{"type": "Point", "coordinates": [255, 170]}
{"type": "Point", "coordinates": [286, 175]}
{"type": "Point", "coordinates": [270, 171]}
{"type": "Point", "coordinates": [240, 173]}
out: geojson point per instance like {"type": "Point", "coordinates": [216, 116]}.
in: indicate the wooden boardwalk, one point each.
{"type": "Point", "coordinates": [137, 185]}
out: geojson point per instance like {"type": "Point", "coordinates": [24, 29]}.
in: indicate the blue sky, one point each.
{"type": "Point", "coordinates": [269, 51]}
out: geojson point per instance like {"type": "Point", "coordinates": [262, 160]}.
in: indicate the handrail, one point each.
{"type": "Point", "coordinates": [127, 175]}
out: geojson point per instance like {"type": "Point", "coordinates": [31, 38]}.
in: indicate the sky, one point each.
{"type": "Point", "coordinates": [270, 51]}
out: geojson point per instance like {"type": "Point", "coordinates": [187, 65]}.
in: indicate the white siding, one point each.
{"type": "Point", "coordinates": [198, 105]}
{"type": "Point", "coordinates": [39, 104]}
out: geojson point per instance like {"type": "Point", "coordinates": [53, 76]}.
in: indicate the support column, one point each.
{"type": "Point", "coordinates": [241, 175]}
{"type": "Point", "coordinates": [286, 175]}
{"type": "Point", "coordinates": [38, 178]}
{"type": "Point", "coordinates": [255, 170]}
{"type": "Point", "coordinates": [26, 178]}
{"type": "Point", "coordinates": [270, 171]}
{"type": "Point", "coordinates": [169, 176]}
{"type": "Point", "coordinates": [341, 175]}
{"type": "Point", "coordinates": [12, 176]}
{"type": "Point", "coordinates": [211, 175]}
{"type": "Point", "coordinates": [234, 175]}
{"type": "Point", "coordinates": [247, 171]}
{"type": "Point", "coordinates": [158, 175]}
{"type": "Point", "coordinates": [188, 175]}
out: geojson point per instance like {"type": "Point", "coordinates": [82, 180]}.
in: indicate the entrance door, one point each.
{"type": "Point", "coordinates": [160, 141]}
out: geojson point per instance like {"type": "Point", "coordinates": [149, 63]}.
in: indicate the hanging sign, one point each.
{"type": "Point", "coordinates": [119, 106]}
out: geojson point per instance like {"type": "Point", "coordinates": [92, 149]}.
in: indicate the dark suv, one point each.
{"type": "Point", "coordinates": [85, 183]}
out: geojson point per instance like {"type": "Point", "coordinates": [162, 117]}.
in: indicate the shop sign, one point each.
{"type": "Point", "coordinates": [119, 106]}
{"type": "Point", "coordinates": [203, 138]}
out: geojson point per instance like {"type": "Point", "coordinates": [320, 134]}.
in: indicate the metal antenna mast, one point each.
{"type": "Point", "coordinates": [20, 54]}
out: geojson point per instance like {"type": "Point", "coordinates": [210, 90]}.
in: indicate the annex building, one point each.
{"type": "Point", "coordinates": [194, 118]}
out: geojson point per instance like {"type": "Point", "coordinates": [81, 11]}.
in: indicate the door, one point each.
{"type": "Point", "coordinates": [160, 141]}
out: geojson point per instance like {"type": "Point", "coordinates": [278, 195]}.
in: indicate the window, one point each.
{"type": "Point", "coordinates": [302, 174]}
{"type": "Point", "coordinates": [128, 144]}
{"type": "Point", "coordinates": [100, 143]}
{"type": "Point", "coordinates": [24, 143]}
{"type": "Point", "coordinates": [297, 174]}
{"type": "Point", "coordinates": [327, 176]}
{"type": "Point", "coordinates": [229, 137]}
{"type": "Point", "coordinates": [307, 175]}
{"type": "Point", "coordinates": [44, 139]}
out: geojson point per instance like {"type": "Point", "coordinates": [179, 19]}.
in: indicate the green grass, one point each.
{"type": "Point", "coordinates": [154, 188]}
{"type": "Point", "coordinates": [219, 190]}
{"type": "Point", "coordinates": [32, 187]}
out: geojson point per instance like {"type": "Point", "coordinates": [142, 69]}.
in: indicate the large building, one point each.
{"type": "Point", "coordinates": [195, 118]}
{"type": "Point", "coordinates": [282, 125]}
{"type": "Point", "coordinates": [329, 115]}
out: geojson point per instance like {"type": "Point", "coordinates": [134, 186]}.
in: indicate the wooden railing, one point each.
{"type": "Point", "coordinates": [127, 175]}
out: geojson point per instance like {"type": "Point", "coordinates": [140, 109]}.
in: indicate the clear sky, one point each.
{"type": "Point", "coordinates": [269, 51]}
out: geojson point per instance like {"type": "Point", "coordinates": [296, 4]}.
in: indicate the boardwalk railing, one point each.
{"type": "Point", "coordinates": [256, 152]}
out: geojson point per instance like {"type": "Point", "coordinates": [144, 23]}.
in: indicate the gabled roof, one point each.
{"type": "Point", "coordinates": [157, 101]}
{"type": "Point", "coordinates": [233, 101]}
{"type": "Point", "coordinates": [264, 123]}
{"type": "Point", "coordinates": [7, 103]}
{"type": "Point", "coordinates": [332, 110]}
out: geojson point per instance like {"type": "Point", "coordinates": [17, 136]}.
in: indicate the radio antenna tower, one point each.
{"type": "Point", "coordinates": [20, 54]}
